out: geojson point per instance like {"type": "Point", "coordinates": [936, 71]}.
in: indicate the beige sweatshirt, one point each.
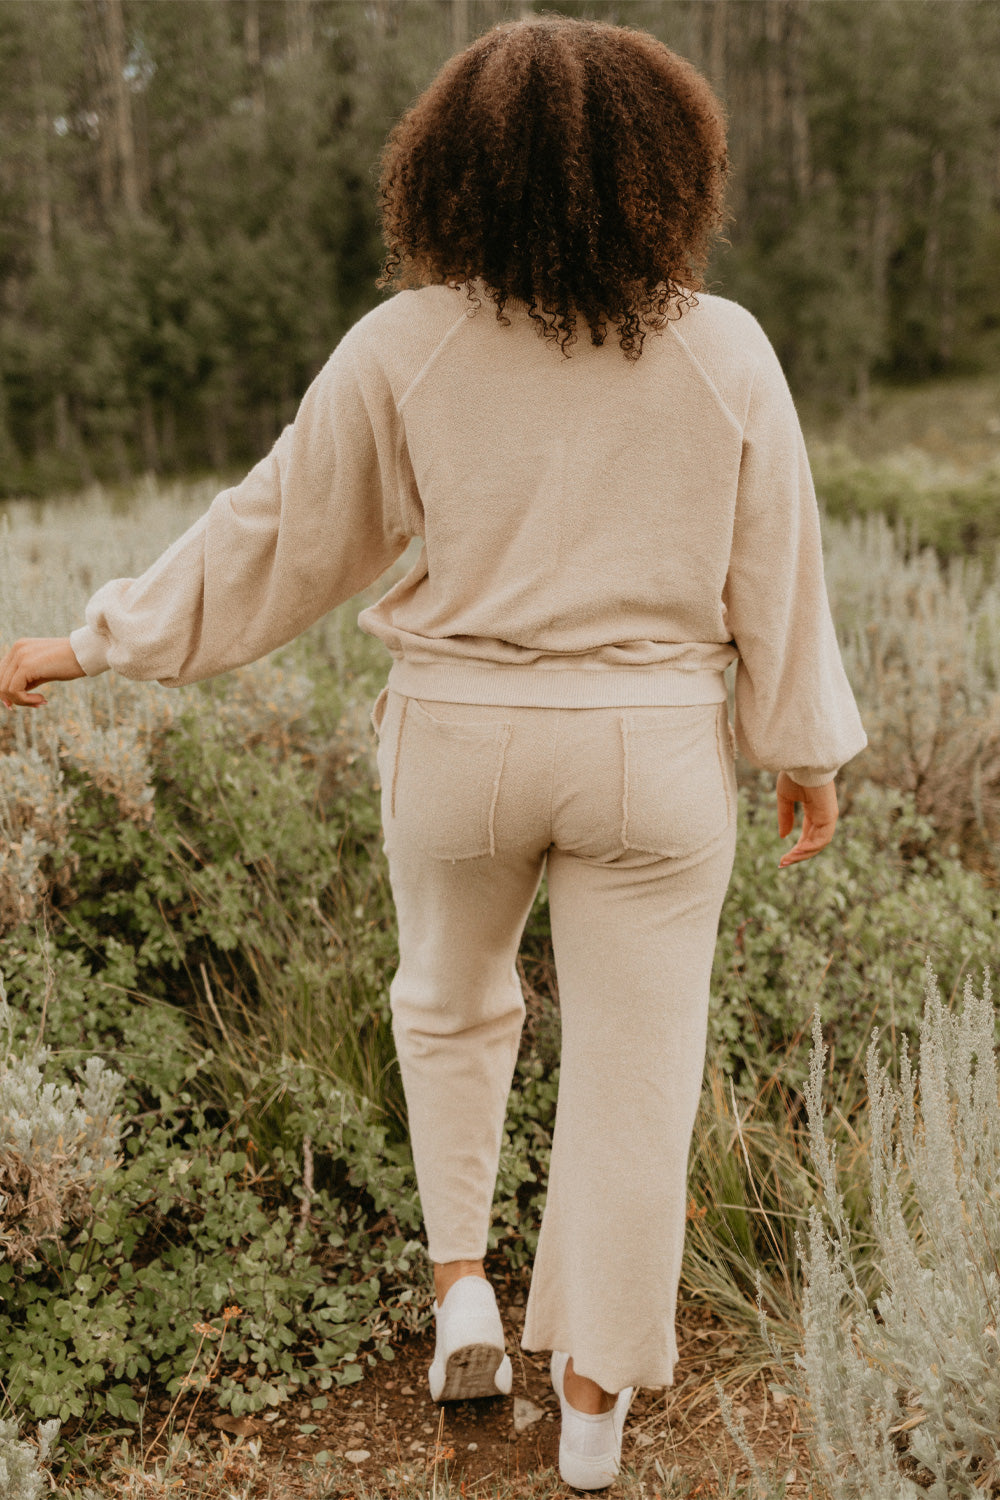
{"type": "Point", "coordinates": [595, 532]}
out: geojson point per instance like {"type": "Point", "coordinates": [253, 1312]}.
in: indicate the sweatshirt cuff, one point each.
{"type": "Point", "coordinates": [805, 777]}
{"type": "Point", "coordinates": [90, 650]}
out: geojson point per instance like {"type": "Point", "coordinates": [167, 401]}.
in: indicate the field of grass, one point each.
{"type": "Point", "coordinates": [955, 420]}
{"type": "Point", "coordinates": [192, 890]}
{"type": "Point", "coordinates": [926, 457]}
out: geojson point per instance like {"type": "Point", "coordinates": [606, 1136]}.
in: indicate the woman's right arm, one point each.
{"type": "Point", "coordinates": [311, 525]}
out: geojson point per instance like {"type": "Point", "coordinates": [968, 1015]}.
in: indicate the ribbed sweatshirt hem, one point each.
{"type": "Point", "coordinates": [556, 687]}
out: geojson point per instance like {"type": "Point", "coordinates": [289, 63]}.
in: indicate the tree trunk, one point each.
{"type": "Point", "coordinates": [798, 116]}
{"type": "Point", "coordinates": [97, 81]}
{"type": "Point", "coordinates": [459, 24]}
{"type": "Point", "coordinates": [168, 436]}
{"type": "Point", "coordinates": [732, 43]}
{"type": "Point", "coordinates": [881, 243]}
{"type": "Point", "coordinates": [935, 215]}
{"type": "Point", "coordinates": [251, 54]}
{"type": "Point", "coordinates": [386, 16]}
{"type": "Point", "coordinates": [718, 17]}
{"type": "Point", "coordinates": [774, 83]}
{"type": "Point", "coordinates": [122, 103]}
{"type": "Point", "coordinates": [120, 454]}
{"type": "Point", "coordinates": [947, 310]}
{"type": "Point", "coordinates": [298, 28]}
{"type": "Point", "coordinates": [9, 455]}
{"type": "Point", "coordinates": [66, 436]}
{"type": "Point", "coordinates": [107, 33]}
{"type": "Point", "coordinates": [251, 35]}
{"type": "Point", "coordinates": [62, 427]}
{"type": "Point", "coordinates": [42, 166]}
{"type": "Point", "coordinates": [217, 436]}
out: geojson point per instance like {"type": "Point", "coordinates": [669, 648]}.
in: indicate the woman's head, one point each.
{"type": "Point", "coordinates": [571, 165]}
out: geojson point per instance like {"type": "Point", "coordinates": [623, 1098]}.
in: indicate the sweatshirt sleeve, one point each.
{"type": "Point", "coordinates": [795, 710]}
{"type": "Point", "coordinates": [312, 524]}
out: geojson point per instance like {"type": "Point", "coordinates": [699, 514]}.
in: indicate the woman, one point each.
{"type": "Point", "coordinates": [608, 523]}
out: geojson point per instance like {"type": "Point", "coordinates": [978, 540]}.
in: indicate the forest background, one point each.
{"type": "Point", "coordinates": [189, 215]}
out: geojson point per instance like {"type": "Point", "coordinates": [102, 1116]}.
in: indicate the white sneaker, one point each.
{"type": "Point", "coordinates": [469, 1358]}
{"type": "Point", "coordinates": [590, 1446]}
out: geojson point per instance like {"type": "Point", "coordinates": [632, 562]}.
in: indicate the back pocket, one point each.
{"type": "Point", "coordinates": [447, 780]}
{"type": "Point", "coordinates": [678, 794]}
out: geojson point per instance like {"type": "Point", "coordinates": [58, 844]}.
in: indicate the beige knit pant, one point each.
{"type": "Point", "coordinates": [632, 812]}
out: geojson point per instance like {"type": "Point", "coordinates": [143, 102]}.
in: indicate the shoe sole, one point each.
{"type": "Point", "coordinates": [471, 1372]}
{"type": "Point", "coordinates": [588, 1474]}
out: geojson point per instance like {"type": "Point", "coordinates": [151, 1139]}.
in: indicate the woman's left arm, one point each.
{"type": "Point", "coordinates": [795, 710]}
{"type": "Point", "coordinates": [313, 523]}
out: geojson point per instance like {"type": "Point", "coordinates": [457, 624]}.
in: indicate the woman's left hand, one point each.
{"type": "Point", "coordinates": [31, 663]}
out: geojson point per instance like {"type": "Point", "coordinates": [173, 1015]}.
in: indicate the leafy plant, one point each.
{"type": "Point", "coordinates": [850, 930]}
{"type": "Point", "coordinates": [209, 911]}
{"type": "Point", "coordinates": [194, 1226]}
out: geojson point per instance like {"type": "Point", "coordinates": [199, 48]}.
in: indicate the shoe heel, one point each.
{"type": "Point", "coordinates": [580, 1469]}
{"type": "Point", "coordinates": [470, 1361]}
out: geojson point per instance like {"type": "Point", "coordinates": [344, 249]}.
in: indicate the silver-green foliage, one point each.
{"type": "Point", "coordinates": [905, 1389]}
{"type": "Point", "coordinates": [921, 645]}
{"type": "Point", "coordinates": [21, 1477]}
{"type": "Point", "coordinates": [56, 1139]}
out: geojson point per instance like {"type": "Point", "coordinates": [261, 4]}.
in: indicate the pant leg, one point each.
{"type": "Point", "coordinates": [634, 934]}
{"type": "Point", "coordinates": [464, 813]}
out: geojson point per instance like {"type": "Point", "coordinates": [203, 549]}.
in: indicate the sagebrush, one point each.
{"type": "Point", "coordinates": [903, 1381]}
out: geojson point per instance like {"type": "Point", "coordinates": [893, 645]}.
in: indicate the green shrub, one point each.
{"type": "Point", "coordinates": [940, 505]}
{"type": "Point", "coordinates": [318, 1267]}
{"type": "Point", "coordinates": [846, 934]}
{"type": "Point", "coordinates": [192, 888]}
{"type": "Point", "coordinates": [849, 930]}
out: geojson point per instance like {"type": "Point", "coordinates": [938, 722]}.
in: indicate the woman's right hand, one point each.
{"type": "Point", "coordinates": [819, 817]}
{"type": "Point", "coordinates": [30, 663]}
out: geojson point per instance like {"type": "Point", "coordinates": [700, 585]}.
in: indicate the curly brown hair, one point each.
{"type": "Point", "coordinates": [573, 166]}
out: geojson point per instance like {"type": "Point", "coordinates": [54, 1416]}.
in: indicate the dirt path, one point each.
{"type": "Point", "coordinates": [387, 1432]}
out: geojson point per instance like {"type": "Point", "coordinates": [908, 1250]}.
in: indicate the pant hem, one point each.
{"type": "Point", "coordinates": [611, 1378]}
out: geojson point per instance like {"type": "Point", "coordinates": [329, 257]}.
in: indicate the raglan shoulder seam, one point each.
{"type": "Point", "coordinates": [446, 338]}
{"type": "Point", "coordinates": [736, 422]}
